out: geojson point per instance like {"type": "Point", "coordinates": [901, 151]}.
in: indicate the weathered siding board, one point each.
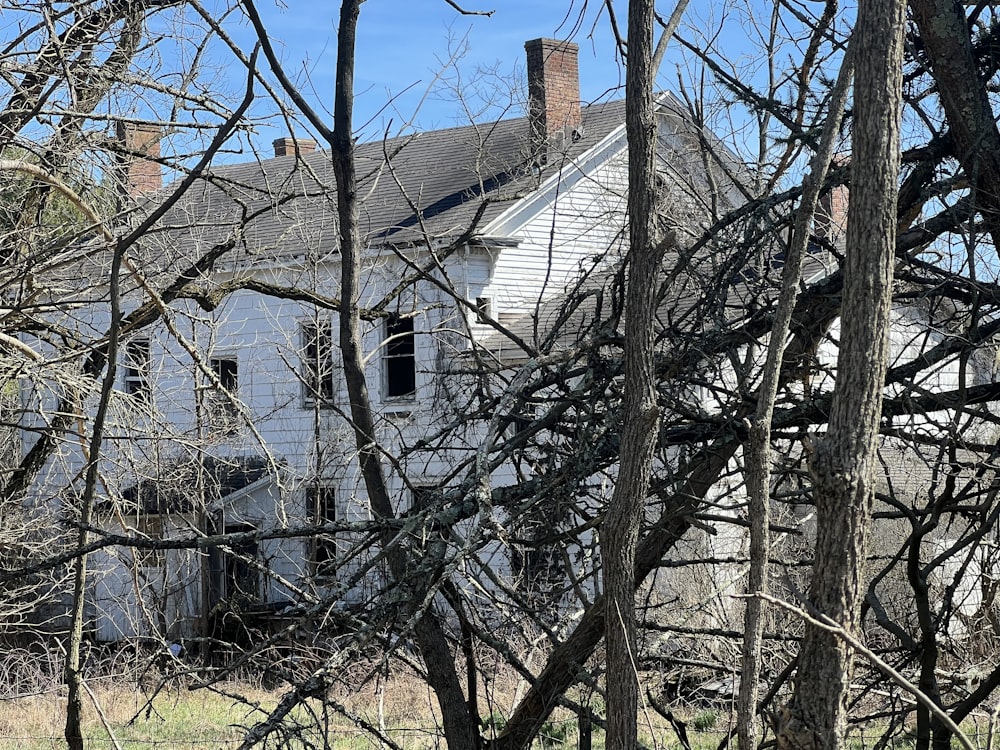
{"type": "Point", "coordinates": [577, 228]}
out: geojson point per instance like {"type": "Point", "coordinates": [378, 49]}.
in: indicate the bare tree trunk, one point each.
{"type": "Point", "coordinates": [619, 533]}
{"type": "Point", "coordinates": [758, 446]}
{"type": "Point", "coordinates": [460, 727]}
{"type": "Point", "coordinates": [74, 681]}
{"type": "Point", "coordinates": [73, 675]}
{"type": "Point", "coordinates": [843, 461]}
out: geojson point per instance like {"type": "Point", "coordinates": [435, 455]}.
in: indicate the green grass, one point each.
{"type": "Point", "coordinates": [197, 720]}
{"type": "Point", "coordinates": [178, 719]}
{"type": "Point", "coordinates": [189, 720]}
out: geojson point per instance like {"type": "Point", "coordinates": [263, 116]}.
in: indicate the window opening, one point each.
{"type": "Point", "coordinates": [137, 367]}
{"type": "Point", "coordinates": [227, 371]}
{"type": "Point", "coordinates": [242, 575]}
{"type": "Point", "coordinates": [400, 360]}
{"type": "Point", "coordinates": [317, 361]}
{"type": "Point", "coordinates": [222, 409]}
{"type": "Point", "coordinates": [322, 504]}
{"type": "Point", "coordinates": [484, 309]}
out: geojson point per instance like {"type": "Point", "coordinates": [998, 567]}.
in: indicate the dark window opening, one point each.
{"type": "Point", "coordinates": [221, 405]}
{"type": "Point", "coordinates": [317, 361]}
{"type": "Point", "coordinates": [484, 309]}
{"type": "Point", "coordinates": [233, 570]}
{"type": "Point", "coordinates": [322, 505]}
{"type": "Point", "coordinates": [226, 370]}
{"type": "Point", "coordinates": [400, 360]}
{"type": "Point", "coordinates": [423, 496]}
{"type": "Point", "coordinates": [538, 567]}
{"type": "Point", "coordinates": [242, 574]}
{"type": "Point", "coordinates": [136, 378]}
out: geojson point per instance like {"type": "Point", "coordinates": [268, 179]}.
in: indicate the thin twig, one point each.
{"type": "Point", "coordinates": [465, 12]}
{"type": "Point", "coordinates": [101, 715]}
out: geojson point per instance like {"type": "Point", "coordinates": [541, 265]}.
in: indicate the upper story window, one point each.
{"type": "Point", "coordinates": [137, 369]}
{"type": "Point", "coordinates": [317, 362]}
{"type": "Point", "coordinates": [399, 360]}
{"type": "Point", "coordinates": [221, 405]}
{"type": "Point", "coordinates": [226, 369]}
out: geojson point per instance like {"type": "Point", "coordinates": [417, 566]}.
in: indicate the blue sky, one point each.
{"type": "Point", "coordinates": [404, 78]}
{"type": "Point", "coordinates": [403, 48]}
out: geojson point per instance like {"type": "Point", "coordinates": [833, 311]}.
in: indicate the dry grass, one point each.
{"type": "Point", "coordinates": [403, 707]}
{"type": "Point", "coordinates": [175, 719]}
{"type": "Point", "coordinates": [180, 718]}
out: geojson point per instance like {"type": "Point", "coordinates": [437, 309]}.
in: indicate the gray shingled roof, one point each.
{"type": "Point", "coordinates": [286, 206]}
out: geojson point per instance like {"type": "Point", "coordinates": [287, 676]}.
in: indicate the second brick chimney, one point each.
{"type": "Point", "coordinates": [141, 144]}
{"type": "Point", "coordinates": [831, 214]}
{"type": "Point", "coordinates": [553, 93]}
{"type": "Point", "coordinates": [286, 146]}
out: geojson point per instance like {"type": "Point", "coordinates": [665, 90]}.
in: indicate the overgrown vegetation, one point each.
{"type": "Point", "coordinates": [423, 406]}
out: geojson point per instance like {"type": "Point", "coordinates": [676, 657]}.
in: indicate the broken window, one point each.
{"type": "Point", "coordinates": [399, 359]}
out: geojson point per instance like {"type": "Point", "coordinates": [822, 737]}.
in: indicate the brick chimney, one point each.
{"type": "Point", "coordinates": [141, 144]}
{"type": "Point", "coordinates": [553, 93]}
{"type": "Point", "coordinates": [286, 146]}
{"type": "Point", "coordinates": [831, 214]}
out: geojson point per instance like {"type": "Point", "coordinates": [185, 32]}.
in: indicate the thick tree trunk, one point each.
{"type": "Point", "coordinates": [758, 447]}
{"type": "Point", "coordinates": [843, 461]}
{"type": "Point", "coordinates": [460, 727]}
{"type": "Point", "coordinates": [620, 531]}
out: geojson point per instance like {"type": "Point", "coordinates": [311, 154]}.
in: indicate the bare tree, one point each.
{"type": "Point", "coordinates": [480, 552]}
{"type": "Point", "coordinates": [843, 463]}
{"type": "Point", "coordinates": [621, 526]}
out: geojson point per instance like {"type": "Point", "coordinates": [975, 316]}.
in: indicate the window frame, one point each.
{"type": "Point", "coordinates": [318, 388]}
{"type": "Point", "coordinates": [219, 407]}
{"type": "Point", "coordinates": [236, 570]}
{"type": "Point", "coordinates": [214, 363]}
{"type": "Point", "coordinates": [399, 358]}
{"type": "Point", "coordinates": [484, 309]}
{"type": "Point", "coordinates": [137, 369]}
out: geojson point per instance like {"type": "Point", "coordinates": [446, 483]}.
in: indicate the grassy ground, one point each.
{"type": "Point", "coordinates": [189, 720]}
{"type": "Point", "coordinates": [199, 720]}
{"type": "Point", "coordinates": [177, 719]}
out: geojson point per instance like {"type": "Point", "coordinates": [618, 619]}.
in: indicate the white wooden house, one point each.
{"type": "Point", "coordinates": [241, 405]}
{"type": "Point", "coordinates": [231, 415]}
